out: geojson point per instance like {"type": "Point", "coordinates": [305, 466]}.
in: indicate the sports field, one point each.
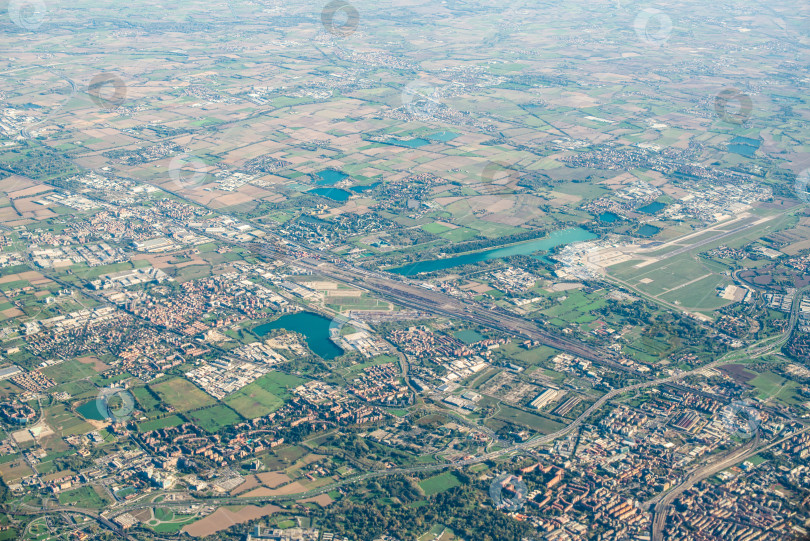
{"type": "Point", "coordinates": [439, 483]}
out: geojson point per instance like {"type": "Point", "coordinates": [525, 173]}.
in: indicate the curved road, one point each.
{"type": "Point", "coordinates": [435, 302]}
{"type": "Point", "coordinates": [659, 517]}
{"type": "Point", "coordinates": [740, 454]}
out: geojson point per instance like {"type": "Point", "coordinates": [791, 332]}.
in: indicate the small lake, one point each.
{"type": "Point", "coordinates": [557, 238]}
{"type": "Point", "coordinates": [107, 406]}
{"type": "Point", "coordinates": [652, 208]}
{"type": "Point", "coordinates": [410, 143]}
{"type": "Point", "coordinates": [336, 194]}
{"type": "Point", "coordinates": [648, 230]}
{"type": "Point", "coordinates": [744, 146]}
{"type": "Point", "coordinates": [367, 187]}
{"type": "Point", "coordinates": [95, 410]}
{"type": "Point", "coordinates": [330, 177]}
{"type": "Point", "coordinates": [608, 217]}
{"type": "Point", "coordinates": [314, 327]}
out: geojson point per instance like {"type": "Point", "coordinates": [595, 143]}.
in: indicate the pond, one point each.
{"type": "Point", "coordinates": [95, 410]}
{"type": "Point", "coordinates": [744, 146]}
{"type": "Point", "coordinates": [648, 230]}
{"type": "Point", "coordinates": [330, 177]}
{"type": "Point", "coordinates": [364, 188]}
{"type": "Point", "coordinates": [314, 327]}
{"type": "Point", "coordinates": [652, 208]}
{"type": "Point", "coordinates": [410, 143]}
{"type": "Point", "coordinates": [608, 217]}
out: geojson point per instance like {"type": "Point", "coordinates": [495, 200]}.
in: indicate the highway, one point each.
{"type": "Point", "coordinates": [661, 506]}
{"type": "Point", "coordinates": [102, 520]}
{"type": "Point", "coordinates": [407, 294]}
{"type": "Point", "coordinates": [519, 447]}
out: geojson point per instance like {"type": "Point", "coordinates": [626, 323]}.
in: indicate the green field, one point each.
{"type": "Point", "coordinates": [468, 336]}
{"type": "Point", "coordinates": [359, 367]}
{"type": "Point", "coordinates": [16, 284]}
{"type": "Point", "coordinates": [166, 521]}
{"type": "Point", "coordinates": [171, 420]}
{"type": "Point", "coordinates": [460, 234]}
{"type": "Point", "coordinates": [163, 514]}
{"type": "Point", "coordinates": [767, 383]}
{"type": "Point", "coordinates": [646, 349]}
{"type": "Point", "coordinates": [279, 383]}
{"type": "Point", "coordinates": [364, 302]}
{"type": "Point", "coordinates": [700, 295]}
{"type": "Point", "coordinates": [69, 371]}
{"type": "Point", "coordinates": [254, 401]}
{"type": "Point", "coordinates": [146, 401]}
{"type": "Point", "coordinates": [439, 483]}
{"type": "Point", "coordinates": [576, 308]}
{"type": "Point", "coordinates": [529, 357]}
{"type": "Point", "coordinates": [182, 394]}
{"type": "Point", "coordinates": [84, 496]}
{"type": "Point", "coordinates": [775, 387]}
{"type": "Point", "coordinates": [91, 273]}
{"type": "Point", "coordinates": [435, 228]}
{"type": "Point", "coordinates": [535, 422]}
{"type": "Point", "coordinates": [214, 418]}
{"type": "Point", "coordinates": [192, 272]}
{"type": "Point", "coordinates": [65, 421]}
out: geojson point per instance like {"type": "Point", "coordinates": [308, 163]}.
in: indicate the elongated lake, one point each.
{"type": "Point", "coordinates": [557, 238]}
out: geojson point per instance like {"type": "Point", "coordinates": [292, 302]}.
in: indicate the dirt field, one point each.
{"type": "Point", "coordinates": [273, 479]}
{"type": "Point", "coordinates": [98, 366]}
{"type": "Point", "coordinates": [322, 499]}
{"type": "Point", "coordinates": [12, 312]}
{"type": "Point", "coordinates": [30, 276]}
{"type": "Point", "coordinates": [292, 488]}
{"type": "Point", "coordinates": [265, 480]}
{"type": "Point", "coordinates": [143, 514]}
{"type": "Point", "coordinates": [737, 372]}
{"type": "Point", "coordinates": [224, 518]}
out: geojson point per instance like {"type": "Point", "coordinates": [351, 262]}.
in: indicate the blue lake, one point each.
{"type": "Point", "coordinates": [330, 177]}
{"type": "Point", "coordinates": [744, 146]}
{"type": "Point", "coordinates": [336, 194]}
{"type": "Point", "coordinates": [367, 187]}
{"type": "Point", "coordinates": [608, 217]}
{"type": "Point", "coordinates": [410, 143]}
{"type": "Point", "coordinates": [652, 208]}
{"type": "Point", "coordinates": [314, 327]}
{"type": "Point", "coordinates": [648, 230]}
{"type": "Point", "coordinates": [95, 410]}
{"type": "Point", "coordinates": [105, 407]}
{"type": "Point", "coordinates": [557, 238]}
